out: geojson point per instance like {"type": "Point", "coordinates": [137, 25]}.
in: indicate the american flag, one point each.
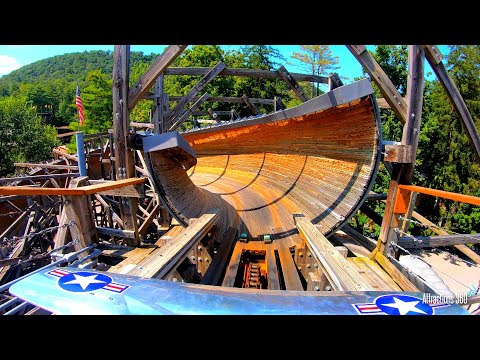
{"type": "Point", "coordinates": [78, 102]}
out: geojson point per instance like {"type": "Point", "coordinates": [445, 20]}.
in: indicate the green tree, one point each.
{"type": "Point", "coordinates": [316, 60]}
{"type": "Point", "coordinates": [23, 137]}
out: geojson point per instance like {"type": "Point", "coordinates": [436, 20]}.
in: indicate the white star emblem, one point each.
{"type": "Point", "coordinates": [84, 281]}
{"type": "Point", "coordinates": [405, 306]}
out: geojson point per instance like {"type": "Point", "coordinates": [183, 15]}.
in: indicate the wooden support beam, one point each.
{"type": "Point", "coordinates": [289, 269]}
{"type": "Point", "coordinates": [79, 191]}
{"type": "Point", "coordinates": [148, 221]}
{"type": "Point", "coordinates": [124, 157]}
{"type": "Point", "coordinates": [394, 273]}
{"type": "Point", "coordinates": [47, 166]}
{"type": "Point", "coordinates": [158, 108]}
{"type": "Point", "coordinates": [340, 273]}
{"type": "Point", "coordinates": [292, 83]}
{"type": "Point", "coordinates": [168, 257]}
{"type": "Point", "coordinates": [142, 125]}
{"type": "Point", "coordinates": [128, 190]}
{"type": "Point", "coordinates": [411, 130]}
{"type": "Point", "coordinates": [371, 214]}
{"type": "Point", "coordinates": [272, 270]}
{"type": "Point", "coordinates": [219, 262]}
{"type": "Point", "coordinates": [253, 73]}
{"type": "Point", "coordinates": [148, 78]}
{"type": "Point", "coordinates": [129, 234]}
{"type": "Point", "coordinates": [388, 90]}
{"type": "Point", "coordinates": [64, 154]}
{"type": "Point", "coordinates": [437, 241]}
{"type": "Point", "coordinates": [39, 177]}
{"type": "Point", "coordinates": [222, 99]}
{"type": "Point", "coordinates": [250, 104]}
{"type": "Point", "coordinates": [357, 249]}
{"type": "Point", "coordinates": [79, 209]}
{"type": "Point", "coordinates": [334, 81]}
{"type": "Point", "coordinates": [181, 118]}
{"type": "Point", "coordinates": [178, 109]}
{"type": "Point", "coordinates": [359, 238]}
{"type": "Point", "coordinates": [434, 57]}
{"type": "Point", "coordinates": [463, 248]}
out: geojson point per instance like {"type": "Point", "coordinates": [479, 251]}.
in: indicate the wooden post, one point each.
{"type": "Point", "coordinates": [124, 157]}
{"type": "Point", "coordinates": [158, 110]}
{"type": "Point", "coordinates": [434, 57]}
{"type": "Point", "coordinates": [388, 90]}
{"type": "Point", "coordinates": [292, 83]}
{"type": "Point", "coordinates": [334, 81]}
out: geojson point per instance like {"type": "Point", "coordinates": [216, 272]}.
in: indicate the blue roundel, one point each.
{"type": "Point", "coordinates": [83, 281]}
{"type": "Point", "coordinates": [403, 305]}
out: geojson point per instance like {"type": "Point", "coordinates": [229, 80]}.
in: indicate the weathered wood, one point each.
{"type": "Point", "coordinates": [339, 271]}
{"type": "Point", "coordinates": [356, 248]}
{"type": "Point", "coordinates": [411, 130]}
{"type": "Point", "coordinates": [168, 257]}
{"type": "Point", "coordinates": [148, 221]}
{"type": "Point", "coordinates": [396, 275]}
{"type": "Point", "coordinates": [292, 83]}
{"type": "Point", "coordinates": [128, 190]}
{"type": "Point", "coordinates": [222, 99]}
{"type": "Point", "coordinates": [436, 241]}
{"type": "Point", "coordinates": [178, 109]}
{"type": "Point", "coordinates": [47, 166]}
{"type": "Point", "coordinates": [253, 73]}
{"type": "Point", "coordinates": [388, 90]}
{"type": "Point", "coordinates": [359, 238]}
{"type": "Point", "coordinates": [432, 54]}
{"type": "Point", "coordinates": [316, 281]}
{"type": "Point", "coordinates": [342, 250]}
{"type": "Point", "coordinates": [79, 209]}
{"type": "Point", "coordinates": [158, 108]}
{"type": "Point", "coordinates": [39, 177]}
{"type": "Point", "coordinates": [289, 270]}
{"type": "Point", "coordinates": [399, 153]}
{"type": "Point", "coordinates": [79, 191]}
{"type": "Point", "coordinates": [133, 257]}
{"type": "Point", "coordinates": [141, 125]}
{"type": "Point", "coordinates": [272, 270]}
{"type": "Point", "coordinates": [64, 154]}
{"type": "Point", "coordinates": [129, 234]}
{"type": "Point", "coordinates": [232, 268]}
{"type": "Point", "coordinates": [250, 104]}
{"type": "Point", "coordinates": [334, 81]}
{"type": "Point", "coordinates": [146, 81]}
{"type": "Point", "coordinates": [374, 274]}
{"type": "Point", "coordinates": [181, 118]}
{"type": "Point", "coordinates": [219, 262]}
{"type": "Point", "coordinates": [390, 221]}
{"type": "Point", "coordinates": [463, 248]}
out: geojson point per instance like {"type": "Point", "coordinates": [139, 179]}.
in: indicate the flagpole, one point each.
{"type": "Point", "coordinates": [76, 91]}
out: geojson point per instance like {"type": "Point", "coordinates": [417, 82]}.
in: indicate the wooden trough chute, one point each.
{"type": "Point", "coordinates": [319, 159]}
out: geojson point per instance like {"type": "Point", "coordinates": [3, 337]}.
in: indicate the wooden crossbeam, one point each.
{"type": "Point", "coordinates": [434, 58]}
{"type": "Point", "coordinates": [436, 241]}
{"type": "Point", "coordinates": [469, 199]}
{"type": "Point", "coordinates": [178, 109]}
{"type": "Point", "coordinates": [388, 90]}
{"type": "Point", "coordinates": [84, 190]}
{"type": "Point", "coordinates": [180, 119]}
{"type": "Point", "coordinates": [64, 154]}
{"type": "Point", "coordinates": [148, 221]}
{"type": "Point", "coordinates": [39, 177]}
{"type": "Point", "coordinates": [167, 258]}
{"type": "Point", "coordinates": [253, 73]}
{"type": "Point", "coordinates": [250, 104]}
{"type": "Point", "coordinates": [340, 273]}
{"type": "Point", "coordinates": [146, 81]}
{"type": "Point", "coordinates": [47, 166]}
{"type": "Point", "coordinates": [292, 83]}
{"type": "Point", "coordinates": [116, 232]}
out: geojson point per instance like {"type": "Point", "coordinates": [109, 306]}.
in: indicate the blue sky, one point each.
{"type": "Point", "coordinates": [14, 56]}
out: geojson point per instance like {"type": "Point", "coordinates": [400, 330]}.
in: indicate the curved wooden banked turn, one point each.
{"type": "Point", "coordinates": [319, 159]}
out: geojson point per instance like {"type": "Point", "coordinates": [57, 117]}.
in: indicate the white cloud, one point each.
{"type": "Point", "coordinates": [8, 64]}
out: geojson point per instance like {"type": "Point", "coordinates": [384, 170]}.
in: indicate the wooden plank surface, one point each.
{"type": "Point", "coordinates": [232, 269]}
{"type": "Point", "coordinates": [169, 256]}
{"type": "Point", "coordinates": [394, 273]}
{"type": "Point", "coordinates": [340, 273]}
{"type": "Point", "coordinates": [374, 274]}
{"type": "Point", "coordinates": [272, 270]}
{"type": "Point", "coordinates": [289, 269]}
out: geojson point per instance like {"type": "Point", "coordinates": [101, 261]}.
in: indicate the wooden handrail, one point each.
{"type": "Point", "coordinates": [84, 190]}
{"type": "Point", "coordinates": [469, 199]}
